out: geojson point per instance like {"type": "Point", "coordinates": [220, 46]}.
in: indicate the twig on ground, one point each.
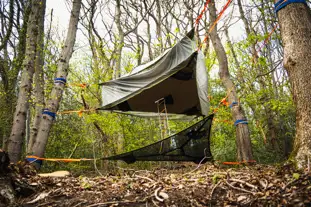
{"type": "Point", "coordinates": [240, 189]}
{"type": "Point", "coordinates": [153, 201]}
{"type": "Point", "coordinates": [243, 182]}
{"type": "Point", "coordinates": [40, 197]}
{"type": "Point", "coordinates": [146, 178]}
{"type": "Point", "coordinates": [119, 202]}
{"type": "Point", "coordinates": [288, 184]}
{"type": "Point", "coordinates": [46, 204]}
{"type": "Point", "coordinates": [264, 185]}
{"type": "Point", "coordinates": [125, 169]}
{"type": "Point", "coordinates": [80, 203]}
{"type": "Point", "coordinates": [217, 184]}
{"type": "Point", "coordinates": [160, 196]}
{"type": "Point", "coordinates": [156, 194]}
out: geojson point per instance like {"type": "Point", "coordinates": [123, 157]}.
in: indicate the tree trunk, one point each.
{"type": "Point", "coordinates": [159, 28]}
{"type": "Point", "coordinates": [295, 24]}
{"type": "Point", "coordinates": [9, 75]}
{"type": "Point", "coordinates": [244, 148]}
{"type": "Point", "coordinates": [269, 117]}
{"type": "Point", "coordinates": [53, 103]}
{"type": "Point", "coordinates": [38, 79]}
{"type": "Point", "coordinates": [119, 42]}
{"type": "Point", "coordinates": [235, 58]}
{"type": "Point", "coordinates": [19, 121]}
{"type": "Point", "coordinates": [150, 53]}
{"type": "Point", "coordinates": [9, 81]}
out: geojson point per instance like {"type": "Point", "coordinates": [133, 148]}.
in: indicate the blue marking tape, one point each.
{"type": "Point", "coordinates": [31, 159]}
{"type": "Point", "coordinates": [240, 121]}
{"type": "Point", "coordinates": [47, 112]}
{"type": "Point", "coordinates": [283, 3]}
{"type": "Point", "coordinates": [233, 104]}
{"type": "Point", "coordinates": [60, 80]}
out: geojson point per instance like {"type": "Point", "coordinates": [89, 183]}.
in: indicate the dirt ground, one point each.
{"type": "Point", "coordinates": [190, 185]}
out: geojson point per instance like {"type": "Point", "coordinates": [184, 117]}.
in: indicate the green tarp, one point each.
{"type": "Point", "coordinates": [179, 76]}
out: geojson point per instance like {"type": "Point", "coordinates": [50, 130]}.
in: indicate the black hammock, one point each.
{"type": "Point", "coordinates": [191, 144]}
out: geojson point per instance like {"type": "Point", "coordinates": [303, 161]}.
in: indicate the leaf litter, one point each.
{"type": "Point", "coordinates": [185, 185]}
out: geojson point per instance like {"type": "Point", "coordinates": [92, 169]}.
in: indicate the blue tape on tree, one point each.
{"type": "Point", "coordinates": [283, 3]}
{"type": "Point", "coordinates": [233, 104]}
{"type": "Point", "coordinates": [47, 112]}
{"type": "Point", "coordinates": [240, 121]}
{"type": "Point", "coordinates": [31, 159]}
{"type": "Point", "coordinates": [60, 80]}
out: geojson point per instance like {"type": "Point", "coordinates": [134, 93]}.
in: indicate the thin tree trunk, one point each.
{"type": "Point", "coordinates": [38, 80]}
{"type": "Point", "coordinates": [150, 53]}
{"type": "Point", "coordinates": [158, 27]}
{"type": "Point", "coordinates": [272, 134]}
{"type": "Point", "coordinates": [295, 24]}
{"type": "Point", "coordinates": [104, 136]}
{"type": "Point", "coordinates": [10, 88]}
{"type": "Point", "coordinates": [117, 69]}
{"type": "Point", "coordinates": [53, 103]}
{"type": "Point", "coordinates": [235, 58]}
{"type": "Point", "coordinates": [19, 122]}
{"type": "Point", "coordinates": [119, 42]}
{"type": "Point", "coordinates": [6, 37]}
{"type": "Point", "coordinates": [244, 148]}
{"type": "Point", "coordinates": [139, 48]}
{"type": "Point", "coordinates": [247, 28]}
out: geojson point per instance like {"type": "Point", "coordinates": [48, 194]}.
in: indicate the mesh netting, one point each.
{"type": "Point", "coordinates": [191, 144]}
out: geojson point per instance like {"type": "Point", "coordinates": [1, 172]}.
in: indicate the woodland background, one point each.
{"type": "Point", "coordinates": [120, 35]}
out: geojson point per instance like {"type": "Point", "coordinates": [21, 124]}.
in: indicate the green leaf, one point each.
{"type": "Point", "coordinates": [296, 176]}
{"type": "Point", "coordinates": [216, 178]}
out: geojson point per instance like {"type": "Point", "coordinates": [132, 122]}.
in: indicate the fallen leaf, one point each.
{"type": "Point", "coordinates": [241, 198]}
{"type": "Point", "coordinates": [39, 197]}
{"type": "Point", "coordinates": [55, 174]}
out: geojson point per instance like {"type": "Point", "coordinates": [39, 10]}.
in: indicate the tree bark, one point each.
{"type": "Point", "coordinates": [38, 79]}
{"type": "Point", "coordinates": [9, 76]}
{"type": "Point", "coordinates": [150, 53]}
{"type": "Point", "coordinates": [158, 27]}
{"type": "Point", "coordinates": [53, 103]}
{"type": "Point", "coordinates": [119, 42]}
{"type": "Point", "coordinates": [244, 148]}
{"type": "Point", "coordinates": [19, 121]}
{"type": "Point", "coordinates": [295, 25]}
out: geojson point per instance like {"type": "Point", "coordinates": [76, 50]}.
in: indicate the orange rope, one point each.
{"type": "Point", "coordinates": [59, 159]}
{"type": "Point", "coordinates": [224, 121]}
{"type": "Point", "coordinates": [223, 101]}
{"type": "Point", "coordinates": [82, 85]}
{"type": "Point", "coordinates": [264, 43]}
{"type": "Point", "coordinates": [219, 15]}
{"type": "Point", "coordinates": [239, 163]}
{"type": "Point", "coordinates": [215, 23]}
{"type": "Point", "coordinates": [202, 12]}
{"type": "Point", "coordinates": [79, 112]}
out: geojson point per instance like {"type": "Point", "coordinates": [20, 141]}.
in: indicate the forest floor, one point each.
{"type": "Point", "coordinates": [186, 185]}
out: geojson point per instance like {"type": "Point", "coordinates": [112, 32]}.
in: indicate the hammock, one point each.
{"type": "Point", "coordinates": [178, 77]}
{"type": "Point", "coordinates": [191, 144]}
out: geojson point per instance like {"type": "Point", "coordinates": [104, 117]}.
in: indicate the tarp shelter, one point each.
{"type": "Point", "coordinates": [179, 76]}
{"type": "Point", "coordinates": [191, 144]}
